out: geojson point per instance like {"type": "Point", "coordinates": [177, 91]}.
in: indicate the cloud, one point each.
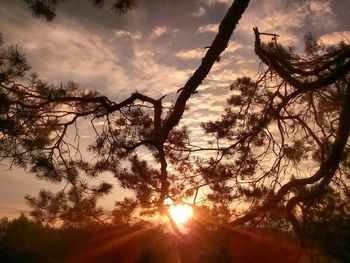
{"type": "Point", "coordinates": [126, 34]}
{"type": "Point", "coordinates": [321, 7]}
{"type": "Point", "coordinates": [224, 75]}
{"type": "Point", "coordinates": [103, 60]}
{"type": "Point", "coordinates": [200, 12]}
{"type": "Point", "coordinates": [213, 2]}
{"type": "Point", "coordinates": [109, 56]}
{"type": "Point", "coordinates": [153, 78]}
{"type": "Point", "coordinates": [321, 14]}
{"type": "Point", "coordinates": [95, 64]}
{"type": "Point", "coordinates": [207, 105]}
{"type": "Point", "coordinates": [191, 54]}
{"type": "Point", "coordinates": [175, 31]}
{"type": "Point", "coordinates": [158, 31]}
{"type": "Point", "coordinates": [233, 47]}
{"type": "Point", "coordinates": [212, 28]}
{"type": "Point", "coordinates": [61, 52]}
{"type": "Point", "coordinates": [280, 17]}
{"type": "Point", "coordinates": [336, 37]}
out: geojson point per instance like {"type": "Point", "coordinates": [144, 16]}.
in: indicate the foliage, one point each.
{"type": "Point", "coordinates": [285, 130]}
{"type": "Point", "coordinates": [124, 211]}
{"type": "Point", "coordinates": [23, 240]}
{"type": "Point", "coordinates": [279, 145]}
{"type": "Point", "coordinates": [47, 8]}
{"type": "Point", "coordinates": [324, 224]}
{"type": "Point", "coordinates": [42, 117]}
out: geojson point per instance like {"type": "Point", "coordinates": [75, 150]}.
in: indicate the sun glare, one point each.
{"type": "Point", "coordinates": [181, 213]}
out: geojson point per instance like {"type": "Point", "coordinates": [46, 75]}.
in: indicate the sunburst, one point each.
{"type": "Point", "coordinates": [181, 213]}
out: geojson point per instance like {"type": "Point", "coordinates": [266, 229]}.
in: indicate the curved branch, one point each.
{"type": "Point", "coordinates": [279, 65]}
{"type": "Point", "coordinates": [324, 174]}
{"type": "Point", "coordinates": [328, 169]}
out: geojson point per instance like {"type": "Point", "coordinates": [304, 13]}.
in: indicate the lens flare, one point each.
{"type": "Point", "coordinates": [181, 213]}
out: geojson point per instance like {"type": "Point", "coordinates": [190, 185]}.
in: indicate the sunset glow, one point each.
{"type": "Point", "coordinates": [181, 213]}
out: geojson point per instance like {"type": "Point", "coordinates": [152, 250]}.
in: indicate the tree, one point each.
{"type": "Point", "coordinates": [324, 222]}
{"type": "Point", "coordinates": [23, 240]}
{"type": "Point", "coordinates": [38, 116]}
{"type": "Point", "coordinates": [47, 8]}
{"type": "Point", "coordinates": [294, 115]}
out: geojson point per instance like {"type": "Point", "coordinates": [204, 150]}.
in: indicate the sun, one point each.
{"type": "Point", "coordinates": [181, 213]}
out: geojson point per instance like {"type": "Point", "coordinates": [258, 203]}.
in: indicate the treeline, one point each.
{"type": "Point", "coordinates": [24, 240]}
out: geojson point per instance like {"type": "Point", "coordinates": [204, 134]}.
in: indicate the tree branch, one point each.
{"type": "Point", "coordinates": [219, 44]}
{"type": "Point", "coordinates": [325, 172]}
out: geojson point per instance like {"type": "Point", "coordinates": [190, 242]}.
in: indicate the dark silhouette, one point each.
{"type": "Point", "coordinates": [22, 240]}
{"type": "Point", "coordinates": [39, 116]}
{"type": "Point", "coordinates": [279, 147]}
{"type": "Point", "coordinates": [47, 8]}
{"type": "Point", "coordinates": [287, 133]}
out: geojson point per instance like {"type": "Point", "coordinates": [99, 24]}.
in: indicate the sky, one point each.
{"type": "Point", "coordinates": [153, 49]}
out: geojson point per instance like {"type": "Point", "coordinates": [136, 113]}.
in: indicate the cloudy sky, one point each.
{"type": "Point", "coordinates": [153, 50]}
